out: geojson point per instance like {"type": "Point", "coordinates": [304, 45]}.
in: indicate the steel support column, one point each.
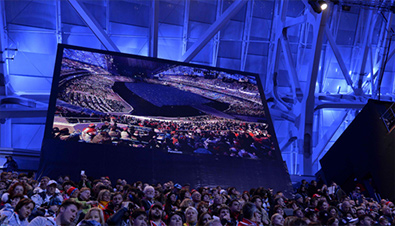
{"type": "Point", "coordinates": [58, 14]}
{"type": "Point", "coordinates": [5, 125]}
{"type": "Point", "coordinates": [217, 37]}
{"type": "Point", "coordinates": [107, 4]}
{"type": "Point", "coordinates": [246, 34]}
{"type": "Point", "coordinates": [93, 25]}
{"type": "Point", "coordinates": [385, 57]}
{"type": "Point", "coordinates": [274, 54]}
{"type": "Point", "coordinates": [4, 67]}
{"type": "Point", "coordinates": [185, 27]}
{"type": "Point", "coordinates": [153, 47]}
{"type": "Point", "coordinates": [308, 103]}
{"type": "Point", "coordinates": [213, 29]}
{"type": "Point", "coordinates": [365, 48]}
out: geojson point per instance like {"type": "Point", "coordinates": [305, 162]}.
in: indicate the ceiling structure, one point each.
{"type": "Point", "coordinates": [318, 69]}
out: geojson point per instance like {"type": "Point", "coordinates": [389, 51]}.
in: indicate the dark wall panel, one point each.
{"type": "Point", "coordinates": [68, 158]}
{"type": "Point", "coordinates": [365, 150]}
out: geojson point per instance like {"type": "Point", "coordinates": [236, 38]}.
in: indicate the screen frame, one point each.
{"type": "Point", "coordinates": [56, 78]}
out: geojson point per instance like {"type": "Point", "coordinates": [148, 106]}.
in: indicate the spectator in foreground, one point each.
{"type": "Point", "coordinates": [249, 215]}
{"type": "Point", "coordinates": [67, 214]}
{"type": "Point", "coordinates": [19, 216]}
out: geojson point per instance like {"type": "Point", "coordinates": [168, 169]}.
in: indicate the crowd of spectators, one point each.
{"type": "Point", "coordinates": [243, 98]}
{"type": "Point", "coordinates": [98, 60]}
{"type": "Point", "coordinates": [90, 86]}
{"type": "Point", "coordinates": [78, 113]}
{"type": "Point", "coordinates": [93, 92]}
{"type": "Point", "coordinates": [190, 135]}
{"type": "Point", "coordinates": [25, 201]}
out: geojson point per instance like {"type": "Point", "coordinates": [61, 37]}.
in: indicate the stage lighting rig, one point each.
{"type": "Point", "coordinates": [318, 5]}
{"type": "Point", "coordinates": [323, 4]}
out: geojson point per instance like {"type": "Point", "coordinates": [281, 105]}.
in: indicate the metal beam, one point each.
{"type": "Point", "coordinates": [341, 105]}
{"type": "Point", "coordinates": [282, 115]}
{"type": "Point", "coordinates": [58, 21]}
{"type": "Point", "coordinates": [311, 10]}
{"type": "Point", "coordinates": [187, 4]}
{"type": "Point", "coordinates": [93, 25]}
{"type": "Point", "coordinates": [22, 112]}
{"type": "Point", "coordinates": [213, 29]}
{"type": "Point", "coordinates": [339, 57]}
{"type": "Point", "coordinates": [246, 34]}
{"type": "Point", "coordinates": [285, 143]}
{"type": "Point", "coordinates": [289, 22]}
{"type": "Point", "coordinates": [5, 125]}
{"type": "Point", "coordinates": [391, 54]}
{"type": "Point", "coordinates": [384, 59]}
{"type": "Point", "coordinates": [107, 26]}
{"type": "Point", "coordinates": [217, 37]}
{"type": "Point", "coordinates": [4, 67]}
{"type": "Point", "coordinates": [365, 48]}
{"type": "Point", "coordinates": [153, 47]}
{"type": "Point", "coordinates": [274, 54]}
{"type": "Point", "coordinates": [323, 141]}
{"type": "Point", "coordinates": [305, 132]}
{"type": "Point", "coordinates": [371, 79]}
{"type": "Point", "coordinates": [291, 67]}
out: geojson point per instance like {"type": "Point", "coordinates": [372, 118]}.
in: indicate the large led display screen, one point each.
{"type": "Point", "coordinates": [142, 103]}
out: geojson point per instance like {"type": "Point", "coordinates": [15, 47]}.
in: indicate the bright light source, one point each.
{"type": "Point", "coordinates": [323, 4]}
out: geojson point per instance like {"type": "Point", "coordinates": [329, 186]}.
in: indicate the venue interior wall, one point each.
{"type": "Point", "coordinates": [317, 69]}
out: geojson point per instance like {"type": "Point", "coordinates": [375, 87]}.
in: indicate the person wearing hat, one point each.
{"type": "Point", "coordinates": [45, 196]}
{"type": "Point", "coordinates": [88, 133]}
{"type": "Point", "coordinates": [49, 210]}
{"type": "Point", "coordinates": [299, 201]}
{"type": "Point", "coordinates": [66, 185]}
{"type": "Point", "coordinates": [155, 215]}
{"type": "Point", "coordinates": [72, 192]}
{"type": "Point", "coordinates": [178, 186]}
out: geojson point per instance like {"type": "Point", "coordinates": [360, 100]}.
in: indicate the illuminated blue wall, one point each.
{"type": "Point", "coordinates": [245, 42]}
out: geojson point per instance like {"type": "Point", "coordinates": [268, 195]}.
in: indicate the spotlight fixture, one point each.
{"type": "Point", "coordinates": [323, 4]}
{"type": "Point", "coordinates": [318, 6]}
